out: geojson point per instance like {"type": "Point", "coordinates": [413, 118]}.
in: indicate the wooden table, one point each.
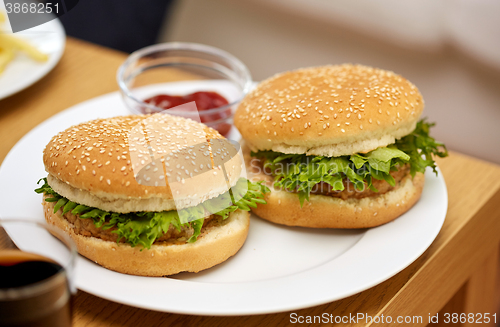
{"type": "Point", "coordinates": [456, 274]}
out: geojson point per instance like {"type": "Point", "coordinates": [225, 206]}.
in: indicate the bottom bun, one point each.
{"type": "Point", "coordinates": [323, 211]}
{"type": "Point", "coordinates": [216, 246]}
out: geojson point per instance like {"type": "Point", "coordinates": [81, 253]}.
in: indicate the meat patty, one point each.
{"type": "Point", "coordinates": [349, 191]}
{"type": "Point", "coordinates": [86, 227]}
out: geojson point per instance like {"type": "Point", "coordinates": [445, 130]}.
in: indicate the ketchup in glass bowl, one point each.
{"type": "Point", "coordinates": [160, 77]}
{"type": "Point", "coordinates": [205, 100]}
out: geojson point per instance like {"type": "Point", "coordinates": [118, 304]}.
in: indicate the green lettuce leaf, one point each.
{"type": "Point", "coordinates": [144, 228]}
{"type": "Point", "coordinates": [300, 173]}
{"type": "Point", "coordinates": [420, 146]}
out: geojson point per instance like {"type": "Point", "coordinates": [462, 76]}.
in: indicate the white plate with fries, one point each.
{"type": "Point", "coordinates": [27, 56]}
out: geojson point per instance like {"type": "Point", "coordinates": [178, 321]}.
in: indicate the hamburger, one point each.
{"type": "Point", "coordinates": [340, 146]}
{"type": "Point", "coordinates": [148, 195]}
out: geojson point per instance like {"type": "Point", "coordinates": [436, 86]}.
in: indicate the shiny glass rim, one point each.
{"type": "Point", "coordinates": [46, 284]}
{"type": "Point", "coordinates": [194, 47]}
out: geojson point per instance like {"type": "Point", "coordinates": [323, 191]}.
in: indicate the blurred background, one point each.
{"type": "Point", "coordinates": [449, 49]}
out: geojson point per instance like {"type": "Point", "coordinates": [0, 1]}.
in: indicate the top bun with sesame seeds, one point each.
{"type": "Point", "coordinates": [139, 163]}
{"type": "Point", "coordinates": [329, 111]}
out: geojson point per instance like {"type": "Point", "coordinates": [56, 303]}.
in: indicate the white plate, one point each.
{"type": "Point", "coordinates": [279, 268]}
{"type": "Point", "coordinates": [22, 72]}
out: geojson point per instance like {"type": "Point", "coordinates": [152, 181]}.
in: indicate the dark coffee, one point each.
{"type": "Point", "coordinates": [18, 272]}
{"type": "Point", "coordinates": [33, 291]}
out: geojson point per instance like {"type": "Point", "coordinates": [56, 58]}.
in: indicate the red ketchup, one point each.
{"type": "Point", "coordinates": [204, 101]}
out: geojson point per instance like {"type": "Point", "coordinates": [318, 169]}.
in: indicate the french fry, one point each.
{"type": "Point", "coordinates": [7, 41]}
{"type": "Point", "coordinates": [9, 45]}
{"type": "Point", "coordinates": [6, 56]}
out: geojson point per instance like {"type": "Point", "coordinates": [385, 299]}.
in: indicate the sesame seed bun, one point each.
{"type": "Point", "coordinates": [329, 111]}
{"type": "Point", "coordinates": [107, 163]}
{"type": "Point", "coordinates": [213, 247]}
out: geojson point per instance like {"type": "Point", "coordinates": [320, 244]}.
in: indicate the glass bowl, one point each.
{"type": "Point", "coordinates": [179, 69]}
